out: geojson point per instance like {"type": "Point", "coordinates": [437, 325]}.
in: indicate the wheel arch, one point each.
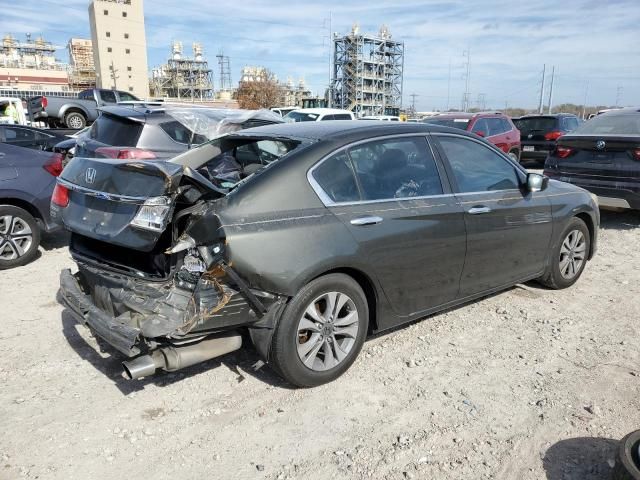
{"type": "Point", "coordinates": [368, 287]}
{"type": "Point", "coordinates": [29, 207]}
{"type": "Point", "coordinates": [586, 218]}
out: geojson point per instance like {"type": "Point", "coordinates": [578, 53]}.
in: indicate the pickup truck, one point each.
{"type": "Point", "coordinates": [75, 113]}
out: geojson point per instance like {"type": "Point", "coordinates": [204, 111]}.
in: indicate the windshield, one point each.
{"type": "Point", "coordinates": [460, 123]}
{"type": "Point", "coordinates": [535, 124]}
{"type": "Point", "coordinates": [228, 160]}
{"type": "Point", "coordinates": [301, 117]}
{"type": "Point", "coordinates": [616, 124]}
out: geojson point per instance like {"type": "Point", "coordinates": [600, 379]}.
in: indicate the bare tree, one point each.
{"type": "Point", "coordinates": [264, 92]}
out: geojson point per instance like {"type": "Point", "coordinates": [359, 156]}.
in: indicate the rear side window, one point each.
{"type": "Point", "coordinates": [477, 168]}
{"type": "Point", "coordinates": [495, 126]}
{"type": "Point", "coordinates": [396, 168]}
{"type": "Point", "coordinates": [13, 134]}
{"type": "Point", "coordinates": [335, 177]}
{"type": "Point", "coordinates": [328, 117]}
{"type": "Point", "coordinates": [481, 126]}
{"type": "Point", "coordinates": [115, 131]}
{"type": "Point", "coordinates": [506, 125]}
{"type": "Point", "coordinates": [108, 96]}
{"type": "Point", "coordinates": [181, 134]}
{"type": "Point", "coordinates": [342, 116]}
{"type": "Point", "coordinates": [569, 123]}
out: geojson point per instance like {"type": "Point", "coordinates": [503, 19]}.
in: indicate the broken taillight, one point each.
{"type": "Point", "coordinates": [60, 195]}
{"type": "Point", "coordinates": [153, 214]}
{"type": "Point", "coordinates": [54, 165]}
{"type": "Point", "coordinates": [125, 153]}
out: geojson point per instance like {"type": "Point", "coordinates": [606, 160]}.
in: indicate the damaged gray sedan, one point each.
{"type": "Point", "coordinates": [305, 238]}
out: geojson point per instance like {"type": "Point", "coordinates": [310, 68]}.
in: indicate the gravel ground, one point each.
{"type": "Point", "coordinates": [527, 384]}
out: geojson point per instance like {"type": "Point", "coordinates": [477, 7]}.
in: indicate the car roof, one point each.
{"type": "Point", "coordinates": [547, 115]}
{"type": "Point", "coordinates": [341, 129]}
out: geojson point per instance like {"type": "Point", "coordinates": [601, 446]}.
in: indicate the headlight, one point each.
{"type": "Point", "coordinates": [153, 214]}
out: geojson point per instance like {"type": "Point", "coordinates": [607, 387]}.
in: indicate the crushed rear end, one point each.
{"type": "Point", "coordinates": [152, 277]}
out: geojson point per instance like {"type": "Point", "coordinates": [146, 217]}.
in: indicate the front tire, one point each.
{"type": "Point", "coordinates": [569, 257]}
{"type": "Point", "coordinates": [321, 331]}
{"type": "Point", "coordinates": [19, 237]}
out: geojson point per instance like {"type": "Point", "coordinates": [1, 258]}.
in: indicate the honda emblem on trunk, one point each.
{"type": "Point", "coordinates": [600, 144]}
{"type": "Point", "coordinates": [90, 175]}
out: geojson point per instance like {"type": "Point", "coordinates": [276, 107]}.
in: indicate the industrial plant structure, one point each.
{"type": "Point", "coordinates": [367, 73]}
{"type": "Point", "coordinates": [30, 66]}
{"type": "Point", "coordinates": [185, 78]}
{"type": "Point", "coordinates": [82, 70]}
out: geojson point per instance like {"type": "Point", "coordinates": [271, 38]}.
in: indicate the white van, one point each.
{"type": "Point", "coordinates": [318, 114]}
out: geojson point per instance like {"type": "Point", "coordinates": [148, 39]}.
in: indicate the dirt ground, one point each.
{"type": "Point", "coordinates": [527, 384]}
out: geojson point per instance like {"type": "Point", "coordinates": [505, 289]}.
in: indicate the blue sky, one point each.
{"type": "Point", "coordinates": [593, 44]}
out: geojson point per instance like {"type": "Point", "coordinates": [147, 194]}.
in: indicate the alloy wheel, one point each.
{"type": "Point", "coordinates": [327, 331]}
{"type": "Point", "coordinates": [572, 254]}
{"type": "Point", "coordinates": [75, 121]}
{"type": "Point", "coordinates": [16, 237]}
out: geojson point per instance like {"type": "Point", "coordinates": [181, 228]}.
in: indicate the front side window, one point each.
{"type": "Point", "coordinates": [13, 134]}
{"type": "Point", "coordinates": [476, 167]}
{"type": "Point", "coordinates": [342, 116]}
{"type": "Point", "coordinates": [127, 97]}
{"type": "Point", "coordinates": [108, 96]}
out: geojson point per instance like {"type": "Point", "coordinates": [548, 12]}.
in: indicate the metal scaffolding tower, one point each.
{"type": "Point", "coordinates": [184, 78]}
{"type": "Point", "coordinates": [225, 72]}
{"type": "Point", "coordinates": [82, 71]}
{"type": "Point", "coordinates": [367, 73]}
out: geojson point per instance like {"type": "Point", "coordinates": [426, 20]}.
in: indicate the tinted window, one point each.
{"type": "Point", "coordinates": [570, 123]}
{"type": "Point", "coordinates": [181, 134]}
{"type": "Point", "coordinates": [86, 95]}
{"type": "Point", "coordinates": [127, 97]}
{"type": "Point", "coordinates": [301, 117]}
{"type": "Point", "coordinates": [536, 124]}
{"type": "Point", "coordinates": [398, 168]}
{"type": "Point", "coordinates": [481, 125]}
{"type": "Point", "coordinates": [342, 116]}
{"type": "Point", "coordinates": [116, 131]}
{"type": "Point", "coordinates": [628, 124]}
{"type": "Point", "coordinates": [108, 96]}
{"type": "Point", "coordinates": [460, 123]}
{"type": "Point", "coordinates": [495, 126]}
{"type": "Point", "coordinates": [328, 117]}
{"type": "Point", "coordinates": [335, 176]}
{"type": "Point", "coordinates": [476, 167]}
{"type": "Point", "coordinates": [506, 126]}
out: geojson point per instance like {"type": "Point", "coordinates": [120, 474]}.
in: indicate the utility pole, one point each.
{"type": "Point", "coordinates": [330, 45]}
{"type": "Point", "coordinates": [465, 103]}
{"type": "Point", "coordinates": [541, 102]}
{"type": "Point", "coordinates": [584, 104]}
{"type": "Point", "coordinates": [553, 71]}
{"type": "Point", "coordinates": [618, 95]}
{"type": "Point", "coordinates": [449, 85]}
{"type": "Point", "coordinates": [413, 102]}
{"type": "Point", "coordinates": [114, 77]}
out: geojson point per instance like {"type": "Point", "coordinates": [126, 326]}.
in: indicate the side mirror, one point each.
{"type": "Point", "coordinates": [536, 182]}
{"type": "Point", "coordinates": [480, 133]}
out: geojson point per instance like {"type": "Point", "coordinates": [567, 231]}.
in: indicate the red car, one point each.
{"type": "Point", "coordinates": [496, 127]}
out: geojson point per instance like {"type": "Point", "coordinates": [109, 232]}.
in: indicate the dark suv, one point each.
{"type": "Point", "coordinates": [538, 133]}
{"type": "Point", "coordinates": [602, 156]}
{"type": "Point", "coordinates": [140, 131]}
{"type": "Point", "coordinates": [496, 127]}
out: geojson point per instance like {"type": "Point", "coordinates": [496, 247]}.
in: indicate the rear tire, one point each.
{"type": "Point", "coordinates": [627, 465]}
{"type": "Point", "coordinates": [19, 237]}
{"type": "Point", "coordinates": [321, 331]}
{"type": "Point", "coordinates": [75, 120]}
{"type": "Point", "coordinates": [569, 257]}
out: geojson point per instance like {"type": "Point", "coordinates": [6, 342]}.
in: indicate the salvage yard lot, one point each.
{"type": "Point", "coordinates": [527, 384]}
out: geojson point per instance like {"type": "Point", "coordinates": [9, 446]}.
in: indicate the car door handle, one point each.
{"type": "Point", "coordinates": [479, 209]}
{"type": "Point", "coordinates": [360, 221]}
